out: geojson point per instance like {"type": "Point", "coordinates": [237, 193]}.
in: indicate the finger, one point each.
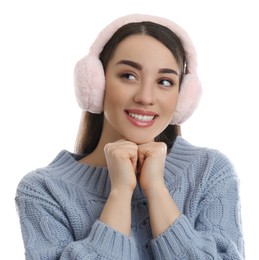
{"type": "Point", "coordinates": [122, 150]}
{"type": "Point", "coordinates": [153, 149]}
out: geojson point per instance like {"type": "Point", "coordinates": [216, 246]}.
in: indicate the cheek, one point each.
{"type": "Point", "coordinates": [113, 97]}
{"type": "Point", "coordinates": [116, 94]}
{"type": "Point", "coordinates": [110, 93]}
{"type": "Point", "coordinates": [170, 103]}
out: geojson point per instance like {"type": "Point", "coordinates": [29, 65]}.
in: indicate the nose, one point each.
{"type": "Point", "coordinates": [145, 94]}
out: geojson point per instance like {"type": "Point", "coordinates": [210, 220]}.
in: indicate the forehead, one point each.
{"type": "Point", "coordinates": [146, 48]}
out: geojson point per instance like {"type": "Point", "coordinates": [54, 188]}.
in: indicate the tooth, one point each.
{"type": "Point", "coordinates": [141, 117]}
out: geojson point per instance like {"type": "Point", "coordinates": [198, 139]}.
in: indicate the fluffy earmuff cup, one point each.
{"type": "Point", "coordinates": [189, 97]}
{"type": "Point", "coordinates": [89, 82]}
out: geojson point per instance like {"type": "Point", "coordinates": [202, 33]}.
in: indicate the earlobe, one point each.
{"type": "Point", "coordinates": [188, 100]}
{"type": "Point", "coordinates": [89, 80]}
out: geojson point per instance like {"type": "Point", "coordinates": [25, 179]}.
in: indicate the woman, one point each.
{"type": "Point", "coordinates": [134, 189]}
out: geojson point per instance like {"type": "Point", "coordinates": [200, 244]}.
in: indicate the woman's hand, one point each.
{"type": "Point", "coordinates": [152, 157]}
{"type": "Point", "coordinates": [162, 209]}
{"type": "Point", "coordinates": [121, 158]}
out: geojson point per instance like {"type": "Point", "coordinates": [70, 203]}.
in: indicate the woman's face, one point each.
{"type": "Point", "coordinates": [142, 85]}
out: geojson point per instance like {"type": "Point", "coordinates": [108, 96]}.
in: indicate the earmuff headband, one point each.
{"type": "Point", "coordinates": [90, 79]}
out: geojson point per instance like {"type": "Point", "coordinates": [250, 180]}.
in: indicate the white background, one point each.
{"type": "Point", "coordinates": [40, 42]}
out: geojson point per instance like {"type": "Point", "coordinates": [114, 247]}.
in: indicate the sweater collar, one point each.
{"type": "Point", "coordinates": [95, 180]}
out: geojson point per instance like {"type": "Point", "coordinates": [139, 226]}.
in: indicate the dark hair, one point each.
{"type": "Point", "coordinates": [91, 124]}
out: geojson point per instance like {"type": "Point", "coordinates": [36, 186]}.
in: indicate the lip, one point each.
{"type": "Point", "coordinates": [145, 121]}
{"type": "Point", "coordinates": [141, 112]}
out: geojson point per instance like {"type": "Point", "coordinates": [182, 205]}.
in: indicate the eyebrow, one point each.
{"type": "Point", "coordinates": [130, 63]}
{"type": "Point", "coordinates": [165, 70]}
{"type": "Point", "coordinates": [139, 67]}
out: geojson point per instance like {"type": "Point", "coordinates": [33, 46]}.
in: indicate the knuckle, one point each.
{"type": "Point", "coordinates": [163, 147]}
{"type": "Point", "coordinates": [107, 147]}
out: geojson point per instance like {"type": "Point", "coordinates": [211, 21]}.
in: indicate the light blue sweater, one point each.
{"type": "Point", "coordinates": [59, 207]}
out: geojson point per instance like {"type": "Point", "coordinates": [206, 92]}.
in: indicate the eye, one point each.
{"type": "Point", "coordinates": [127, 76]}
{"type": "Point", "coordinates": [166, 82]}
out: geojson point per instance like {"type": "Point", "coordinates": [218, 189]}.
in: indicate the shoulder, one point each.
{"type": "Point", "coordinates": [64, 176]}
{"type": "Point", "coordinates": [185, 156]}
{"type": "Point", "coordinates": [36, 179]}
{"type": "Point", "coordinates": [200, 169]}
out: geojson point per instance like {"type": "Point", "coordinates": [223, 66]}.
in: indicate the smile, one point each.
{"type": "Point", "coordinates": [141, 118]}
{"type": "Point", "coordinates": [144, 118]}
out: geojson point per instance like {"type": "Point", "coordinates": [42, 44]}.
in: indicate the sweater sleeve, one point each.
{"type": "Point", "coordinates": [47, 234]}
{"type": "Point", "coordinates": [211, 227]}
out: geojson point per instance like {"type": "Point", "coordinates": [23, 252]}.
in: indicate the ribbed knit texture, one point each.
{"type": "Point", "coordinates": [59, 208]}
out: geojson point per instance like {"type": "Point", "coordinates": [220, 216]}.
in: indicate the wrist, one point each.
{"type": "Point", "coordinates": [121, 193]}
{"type": "Point", "coordinates": [117, 211]}
{"type": "Point", "coordinates": [162, 210]}
{"type": "Point", "coordinates": [157, 191]}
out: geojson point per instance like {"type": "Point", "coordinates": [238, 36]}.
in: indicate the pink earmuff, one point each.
{"type": "Point", "coordinates": [90, 79]}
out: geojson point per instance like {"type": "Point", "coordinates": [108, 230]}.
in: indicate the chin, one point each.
{"type": "Point", "coordinates": [139, 140]}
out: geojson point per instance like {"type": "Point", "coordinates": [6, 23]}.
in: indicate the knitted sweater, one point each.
{"type": "Point", "coordinates": [59, 208]}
